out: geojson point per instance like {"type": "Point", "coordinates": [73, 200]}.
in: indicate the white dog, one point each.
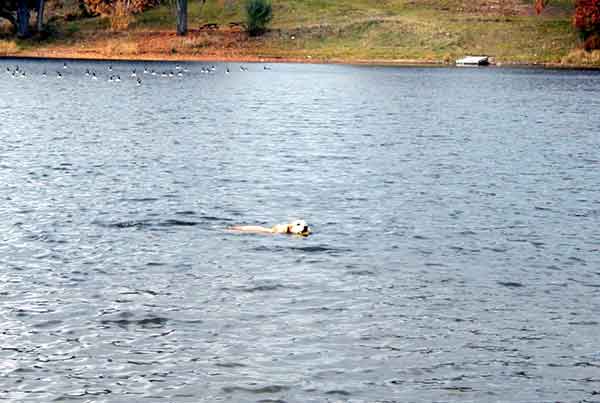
{"type": "Point", "coordinates": [298, 227]}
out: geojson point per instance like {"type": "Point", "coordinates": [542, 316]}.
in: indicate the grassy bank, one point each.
{"type": "Point", "coordinates": [327, 30]}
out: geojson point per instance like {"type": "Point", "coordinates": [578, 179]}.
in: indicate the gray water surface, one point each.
{"type": "Point", "coordinates": [455, 254]}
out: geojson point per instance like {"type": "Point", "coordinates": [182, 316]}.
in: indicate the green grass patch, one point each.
{"type": "Point", "coordinates": [431, 34]}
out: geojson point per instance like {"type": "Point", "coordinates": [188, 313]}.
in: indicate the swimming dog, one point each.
{"type": "Point", "coordinates": [298, 227]}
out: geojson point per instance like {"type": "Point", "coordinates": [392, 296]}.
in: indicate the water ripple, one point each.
{"type": "Point", "coordinates": [454, 257]}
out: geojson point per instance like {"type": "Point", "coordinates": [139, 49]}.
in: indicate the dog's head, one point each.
{"type": "Point", "coordinates": [299, 227]}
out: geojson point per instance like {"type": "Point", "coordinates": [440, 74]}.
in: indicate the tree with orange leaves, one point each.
{"type": "Point", "coordinates": [586, 19]}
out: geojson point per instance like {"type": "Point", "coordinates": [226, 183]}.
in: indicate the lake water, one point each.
{"type": "Point", "coordinates": [455, 254]}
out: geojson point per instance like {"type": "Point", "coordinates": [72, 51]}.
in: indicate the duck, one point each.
{"type": "Point", "coordinates": [139, 82]}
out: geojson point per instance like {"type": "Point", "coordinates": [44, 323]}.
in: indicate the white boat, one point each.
{"type": "Point", "coordinates": [473, 61]}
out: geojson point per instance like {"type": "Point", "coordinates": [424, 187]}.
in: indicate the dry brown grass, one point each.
{"type": "Point", "coordinates": [192, 44]}
{"type": "Point", "coordinates": [120, 23]}
{"type": "Point", "coordinates": [121, 18]}
{"type": "Point", "coordinates": [195, 43]}
{"type": "Point", "coordinates": [580, 57]}
{"type": "Point", "coordinates": [119, 47]}
{"type": "Point", "coordinates": [8, 48]}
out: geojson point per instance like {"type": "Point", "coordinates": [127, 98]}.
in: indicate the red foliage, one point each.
{"type": "Point", "coordinates": [540, 5]}
{"type": "Point", "coordinates": [587, 16]}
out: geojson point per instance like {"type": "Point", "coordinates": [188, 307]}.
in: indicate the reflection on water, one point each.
{"type": "Point", "coordinates": [455, 252]}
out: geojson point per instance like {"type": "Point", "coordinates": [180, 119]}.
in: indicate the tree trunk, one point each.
{"type": "Point", "coordinates": [181, 17]}
{"type": "Point", "coordinates": [22, 19]}
{"type": "Point", "coordinates": [40, 15]}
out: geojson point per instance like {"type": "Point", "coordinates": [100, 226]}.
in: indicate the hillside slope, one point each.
{"type": "Point", "coordinates": [378, 31]}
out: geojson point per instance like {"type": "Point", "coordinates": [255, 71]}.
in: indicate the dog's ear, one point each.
{"type": "Point", "coordinates": [288, 229]}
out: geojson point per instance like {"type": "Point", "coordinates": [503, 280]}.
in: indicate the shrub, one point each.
{"type": "Point", "coordinates": [258, 14]}
{"type": "Point", "coordinates": [587, 17]}
{"type": "Point", "coordinates": [112, 7]}
{"type": "Point", "coordinates": [592, 43]}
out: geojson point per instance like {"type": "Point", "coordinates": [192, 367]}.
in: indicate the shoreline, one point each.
{"type": "Point", "coordinates": [423, 35]}
{"type": "Point", "coordinates": [160, 57]}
